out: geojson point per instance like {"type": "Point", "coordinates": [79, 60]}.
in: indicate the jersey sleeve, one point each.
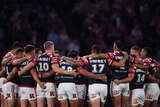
{"type": "Point", "coordinates": [131, 59]}
{"type": "Point", "coordinates": [54, 60]}
{"type": "Point", "coordinates": [111, 55]}
{"type": "Point", "coordinates": [80, 68]}
{"type": "Point", "coordinates": [9, 54]}
{"type": "Point", "coordinates": [110, 61]}
{"type": "Point", "coordinates": [34, 61]}
{"type": "Point", "coordinates": [132, 70]}
{"type": "Point", "coordinates": [84, 60]}
{"type": "Point", "coordinates": [147, 61]}
{"type": "Point", "coordinates": [147, 74]}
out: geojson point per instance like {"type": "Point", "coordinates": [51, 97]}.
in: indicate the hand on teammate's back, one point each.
{"type": "Point", "coordinates": [116, 81]}
{"type": "Point", "coordinates": [42, 85]}
{"type": "Point", "coordinates": [103, 78]}
{"type": "Point", "coordinates": [73, 73]}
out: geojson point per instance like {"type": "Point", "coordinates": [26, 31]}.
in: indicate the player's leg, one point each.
{"type": "Point", "coordinates": [81, 91]}
{"type": "Point", "coordinates": [13, 94]}
{"type": "Point", "coordinates": [117, 101]}
{"type": "Point", "coordinates": [2, 100]}
{"type": "Point", "coordinates": [94, 96]}
{"type": "Point", "coordinates": [1, 92]}
{"type": "Point", "coordinates": [24, 103]}
{"type": "Point", "coordinates": [71, 92]}
{"type": "Point", "coordinates": [154, 103]}
{"type": "Point", "coordinates": [125, 95]}
{"type": "Point", "coordinates": [62, 95]}
{"type": "Point", "coordinates": [147, 103]}
{"type": "Point", "coordinates": [124, 101]}
{"type": "Point", "coordinates": [41, 102]}
{"type": "Point", "coordinates": [63, 103]}
{"type": "Point", "coordinates": [95, 102]}
{"type": "Point", "coordinates": [51, 102]}
{"type": "Point", "coordinates": [18, 101]}
{"type": "Point", "coordinates": [30, 96]}
{"type": "Point", "coordinates": [150, 93]}
{"type": "Point", "coordinates": [51, 94]}
{"type": "Point", "coordinates": [156, 95]}
{"type": "Point", "coordinates": [33, 103]}
{"type": "Point", "coordinates": [103, 93]}
{"type": "Point", "coordinates": [73, 103]}
{"type": "Point", "coordinates": [80, 102]}
{"type": "Point", "coordinates": [5, 102]}
{"type": "Point", "coordinates": [133, 98]}
{"type": "Point", "coordinates": [116, 94]}
{"type": "Point", "coordinates": [4, 95]}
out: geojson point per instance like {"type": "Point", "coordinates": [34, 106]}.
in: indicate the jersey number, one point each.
{"type": "Point", "coordinates": [67, 68]}
{"type": "Point", "coordinates": [141, 77]}
{"type": "Point", "coordinates": [7, 70]}
{"type": "Point", "coordinates": [95, 68]}
{"type": "Point", "coordinates": [43, 67]}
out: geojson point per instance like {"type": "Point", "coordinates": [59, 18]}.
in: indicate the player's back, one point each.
{"type": "Point", "coordinates": [43, 65]}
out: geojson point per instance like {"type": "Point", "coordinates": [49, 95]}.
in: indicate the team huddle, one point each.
{"type": "Point", "coordinates": [30, 78]}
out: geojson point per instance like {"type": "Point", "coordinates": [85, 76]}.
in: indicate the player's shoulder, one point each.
{"type": "Point", "coordinates": [147, 60]}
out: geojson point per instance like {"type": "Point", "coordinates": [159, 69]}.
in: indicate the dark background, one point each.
{"type": "Point", "coordinates": [78, 24]}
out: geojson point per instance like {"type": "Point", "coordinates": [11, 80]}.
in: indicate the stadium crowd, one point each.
{"type": "Point", "coordinates": [91, 21]}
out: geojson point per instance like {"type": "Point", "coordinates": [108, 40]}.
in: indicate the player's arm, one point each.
{"type": "Point", "coordinates": [121, 62]}
{"type": "Point", "coordinates": [11, 74]}
{"type": "Point", "coordinates": [142, 66]}
{"type": "Point", "coordinates": [128, 79]}
{"type": "Point", "coordinates": [5, 60]}
{"type": "Point", "coordinates": [35, 77]}
{"type": "Point", "coordinates": [102, 55]}
{"type": "Point", "coordinates": [73, 61]}
{"type": "Point", "coordinates": [26, 68]}
{"type": "Point", "coordinates": [91, 75]}
{"type": "Point", "coordinates": [19, 61]}
{"type": "Point", "coordinates": [59, 70]}
{"type": "Point", "coordinates": [152, 78]}
{"type": "Point", "coordinates": [3, 70]}
{"type": "Point", "coordinates": [47, 74]}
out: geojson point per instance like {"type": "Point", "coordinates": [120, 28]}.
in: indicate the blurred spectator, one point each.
{"type": "Point", "coordinates": [92, 21]}
{"type": "Point", "coordinates": [54, 37]}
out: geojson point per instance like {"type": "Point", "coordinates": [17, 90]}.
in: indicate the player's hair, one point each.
{"type": "Point", "coordinates": [19, 50]}
{"type": "Point", "coordinates": [149, 51]}
{"type": "Point", "coordinates": [16, 45]}
{"type": "Point", "coordinates": [56, 51]}
{"type": "Point", "coordinates": [37, 50]}
{"type": "Point", "coordinates": [29, 48]}
{"type": "Point", "coordinates": [73, 54]}
{"type": "Point", "coordinates": [119, 44]}
{"type": "Point", "coordinates": [96, 48]}
{"type": "Point", "coordinates": [136, 48]}
{"type": "Point", "coordinates": [47, 45]}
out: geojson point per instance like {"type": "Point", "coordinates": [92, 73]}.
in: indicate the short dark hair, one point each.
{"type": "Point", "coordinates": [19, 50]}
{"type": "Point", "coordinates": [56, 51]}
{"type": "Point", "coordinates": [149, 51]}
{"type": "Point", "coordinates": [73, 54]}
{"type": "Point", "coordinates": [119, 44]}
{"type": "Point", "coordinates": [16, 45]}
{"type": "Point", "coordinates": [29, 48]}
{"type": "Point", "coordinates": [37, 50]}
{"type": "Point", "coordinates": [137, 48]}
{"type": "Point", "coordinates": [96, 48]}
